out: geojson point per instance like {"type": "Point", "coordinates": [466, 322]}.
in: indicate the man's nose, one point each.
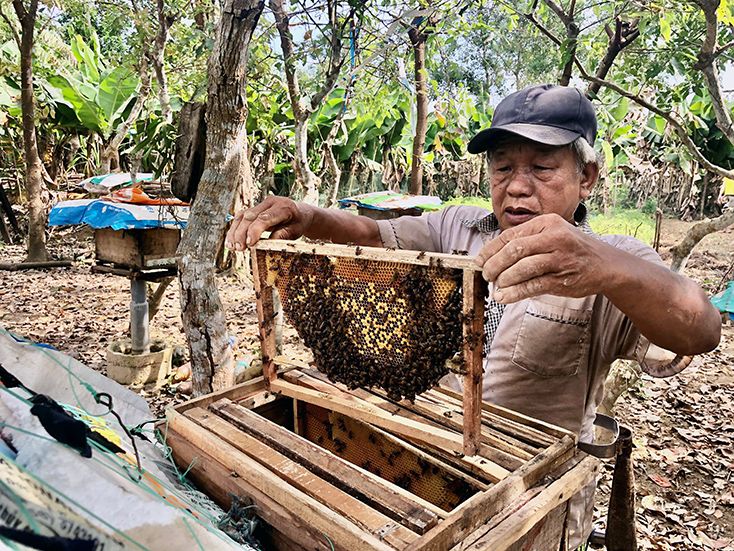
{"type": "Point", "coordinates": [521, 184]}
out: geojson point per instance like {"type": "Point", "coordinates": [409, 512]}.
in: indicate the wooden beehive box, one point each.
{"type": "Point", "coordinates": [137, 249]}
{"type": "Point", "coordinates": [350, 469]}
{"type": "Point", "coordinates": [322, 472]}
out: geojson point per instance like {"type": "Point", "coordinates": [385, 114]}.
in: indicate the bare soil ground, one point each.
{"type": "Point", "coordinates": [683, 427]}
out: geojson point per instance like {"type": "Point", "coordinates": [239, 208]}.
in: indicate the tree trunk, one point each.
{"type": "Point", "coordinates": [418, 41]}
{"type": "Point", "coordinates": [335, 174]}
{"type": "Point", "coordinates": [212, 364]}
{"type": "Point", "coordinates": [335, 171]}
{"type": "Point", "coordinates": [683, 250]}
{"type": "Point", "coordinates": [306, 180]}
{"type": "Point", "coordinates": [34, 170]}
{"type": "Point", "coordinates": [161, 38]}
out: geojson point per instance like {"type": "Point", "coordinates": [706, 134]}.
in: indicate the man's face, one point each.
{"type": "Point", "coordinates": [529, 179]}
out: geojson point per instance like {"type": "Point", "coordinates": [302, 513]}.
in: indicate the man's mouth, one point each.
{"type": "Point", "coordinates": [518, 215]}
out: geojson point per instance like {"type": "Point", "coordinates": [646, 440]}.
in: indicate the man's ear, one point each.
{"type": "Point", "coordinates": [589, 176]}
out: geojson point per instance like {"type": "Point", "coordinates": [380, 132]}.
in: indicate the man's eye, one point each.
{"type": "Point", "coordinates": [503, 168]}
{"type": "Point", "coordinates": [538, 167]}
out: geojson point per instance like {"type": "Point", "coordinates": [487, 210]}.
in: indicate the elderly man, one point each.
{"type": "Point", "coordinates": [564, 303]}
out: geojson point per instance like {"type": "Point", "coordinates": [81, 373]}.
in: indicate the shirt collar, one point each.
{"type": "Point", "coordinates": [490, 224]}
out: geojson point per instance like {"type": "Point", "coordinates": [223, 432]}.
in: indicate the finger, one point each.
{"type": "Point", "coordinates": [531, 227]}
{"type": "Point", "coordinates": [527, 289]}
{"type": "Point", "coordinates": [525, 269]}
{"type": "Point", "coordinates": [513, 252]}
{"type": "Point", "coordinates": [237, 234]}
{"type": "Point", "coordinates": [230, 239]}
{"type": "Point", "coordinates": [267, 221]}
{"type": "Point", "coordinates": [285, 232]}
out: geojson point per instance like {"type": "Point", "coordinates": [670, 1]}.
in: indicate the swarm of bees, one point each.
{"type": "Point", "coordinates": [367, 330]}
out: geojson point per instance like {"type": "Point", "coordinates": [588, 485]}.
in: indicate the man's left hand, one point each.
{"type": "Point", "coordinates": [543, 256]}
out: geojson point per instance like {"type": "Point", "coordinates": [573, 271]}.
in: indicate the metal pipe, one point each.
{"type": "Point", "coordinates": [139, 324]}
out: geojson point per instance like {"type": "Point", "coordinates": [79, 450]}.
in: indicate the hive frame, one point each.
{"type": "Point", "coordinates": [474, 290]}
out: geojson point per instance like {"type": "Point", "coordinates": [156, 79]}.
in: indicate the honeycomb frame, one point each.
{"type": "Point", "coordinates": [268, 275]}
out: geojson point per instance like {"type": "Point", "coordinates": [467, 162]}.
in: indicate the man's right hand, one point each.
{"type": "Point", "coordinates": [283, 217]}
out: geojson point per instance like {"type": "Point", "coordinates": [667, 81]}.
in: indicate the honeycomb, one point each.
{"type": "Point", "coordinates": [358, 444]}
{"type": "Point", "coordinates": [371, 323]}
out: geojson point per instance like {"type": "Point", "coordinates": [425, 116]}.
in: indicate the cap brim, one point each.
{"type": "Point", "coordinates": [549, 135]}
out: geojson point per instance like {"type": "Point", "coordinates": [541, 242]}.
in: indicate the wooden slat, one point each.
{"type": "Point", "coordinates": [526, 420]}
{"type": "Point", "coordinates": [302, 505]}
{"type": "Point", "coordinates": [218, 481]}
{"type": "Point", "coordinates": [473, 329]}
{"type": "Point", "coordinates": [407, 428]}
{"type": "Point", "coordinates": [420, 258]}
{"type": "Point", "coordinates": [301, 478]}
{"type": "Point", "coordinates": [488, 470]}
{"type": "Point", "coordinates": [537, 438]}
{"type": "Point", "coordinates": [511, 509]}
{"type": "Point", "coordinates": [390, 499]}
{"type": "Point", "coordinates": [297, 475]}
{"type": "Point", "coordinates": [493, 445]}
{"type": "Point", "coordinates": [258, 399]}
{"type": "Point", "coordinates": [362, 411]}
{"type": "Point", "coordinates": [517, 525]}
{"type": "Point", "coordinates": [242, 390]}
{"type": "Point", "coordinates": [265, 318]}
{"type": "Point", "coordinates": [482, 507]}
{"type": "Point", "coordinates": [527, 439]}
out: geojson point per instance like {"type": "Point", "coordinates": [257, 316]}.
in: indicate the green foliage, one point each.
{"type": "Point", "coordinates": [470, 201]}
{"type": "Point", "coordinates": [93, 96]}
{"type": "Point", "coordinates": [625, 222]}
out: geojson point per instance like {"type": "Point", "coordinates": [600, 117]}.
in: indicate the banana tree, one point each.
{"type": "Point", "coordinates": [99, 99]}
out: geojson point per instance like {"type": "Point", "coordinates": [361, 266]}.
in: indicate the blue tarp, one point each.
{"type": "Point", "coordinates": [724, 301]}
{"type": "Point", "coordinates": [99, 213]}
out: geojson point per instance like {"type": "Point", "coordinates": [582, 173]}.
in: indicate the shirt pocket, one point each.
{"type": "Point", "coordinates": [553, 338]}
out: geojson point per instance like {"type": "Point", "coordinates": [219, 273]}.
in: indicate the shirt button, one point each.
{"type": "Point", "coordinates": [495, 310]}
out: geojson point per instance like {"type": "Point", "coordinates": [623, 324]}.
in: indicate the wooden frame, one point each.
{"type": "Point", "coordinates": [474, 288]}
{"type": "Point", "coordinates": [291, 477]}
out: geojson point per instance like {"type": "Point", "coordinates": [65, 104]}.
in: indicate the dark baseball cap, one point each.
{"type": "Point", "coordinates": [552, 115]}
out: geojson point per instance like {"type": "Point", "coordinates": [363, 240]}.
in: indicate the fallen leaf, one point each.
{"type": "Point", "coordinates": [654, 503]}
{"type": "Point", "coordinates": [660, 480]}
{"type": "Point", "coordinates": [708, 542]}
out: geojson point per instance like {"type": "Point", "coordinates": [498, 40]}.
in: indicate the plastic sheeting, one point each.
{"type": "Point", "coordinates": [100, 213]}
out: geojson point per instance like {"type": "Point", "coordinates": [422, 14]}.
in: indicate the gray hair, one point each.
{"type": "Point", "coordinates": [582, 150]}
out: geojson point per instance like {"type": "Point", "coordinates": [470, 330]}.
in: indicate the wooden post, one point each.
{"type": "Point", "coordinates": [472, 384]}
{"type": "Point", "coordinates": [266, 319]}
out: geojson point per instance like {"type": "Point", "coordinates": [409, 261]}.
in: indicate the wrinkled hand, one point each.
{"type": "Point", "coordinates": [545, 255]}
{"type": "Point", "coordinates": [279, 215]}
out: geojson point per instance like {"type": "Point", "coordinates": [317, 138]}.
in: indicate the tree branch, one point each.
{"type": "Point", "coordinates": [16, 36]}
{"type": "Point", "coordinates": [335, 61]}
{"type": "Point", "coordinates": [722, 50]}
{"type": "Point", "coordinates": [707, 65]}
{"type": "Point", "coordinates": [677, 126]}
{"type": "Point", "coordinates": [286, 43]}
{"type": "Point", "coordinates": [624, 34]}
{"type": "Point", "coordinates": [669, 118]}
{"type": "Point", "coordinates": [531, 17]}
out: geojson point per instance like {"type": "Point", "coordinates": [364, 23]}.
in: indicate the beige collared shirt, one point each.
{"type": "Point", "coordinates": [550, 355]}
